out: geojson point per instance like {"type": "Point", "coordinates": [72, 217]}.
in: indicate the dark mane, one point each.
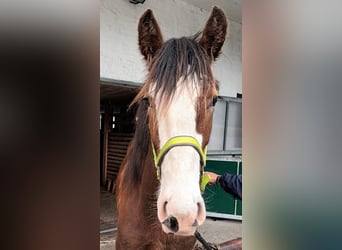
{"type": "Point", "coordinates": [139, 147]}
{"type": "Point", "coordinates": [180, 58]}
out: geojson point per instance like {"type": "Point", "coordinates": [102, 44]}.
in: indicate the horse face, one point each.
{"type": "Point", "coordinates": [181, 95]}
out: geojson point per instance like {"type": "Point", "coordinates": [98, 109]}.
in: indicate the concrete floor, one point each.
{"type": "Point", "coordinates": [213, 230]}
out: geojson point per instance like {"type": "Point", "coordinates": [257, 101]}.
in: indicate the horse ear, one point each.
{"type": "Point", "coordinates": [214, 33]}
{"type": "Point", "coordinates": [150, 37]}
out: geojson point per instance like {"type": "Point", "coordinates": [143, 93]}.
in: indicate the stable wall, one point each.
{"type": "Point", "coordinates": [121, 60]}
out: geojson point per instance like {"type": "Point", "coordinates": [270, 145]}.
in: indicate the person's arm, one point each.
{"type": "Point", "coordinates": [231, 184]}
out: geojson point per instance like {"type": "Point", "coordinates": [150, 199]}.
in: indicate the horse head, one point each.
{"type": "Point", "coordinates": [181, 92]}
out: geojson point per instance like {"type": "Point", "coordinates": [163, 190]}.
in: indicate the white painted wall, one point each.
{"type": "Point", "coordinates": [120, 58]}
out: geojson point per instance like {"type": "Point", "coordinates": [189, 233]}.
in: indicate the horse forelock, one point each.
{"type": "Point", "coordinates": [180, 60]}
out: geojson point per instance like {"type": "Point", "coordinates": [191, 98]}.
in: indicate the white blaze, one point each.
{"type": "Point", "coordinates": [180, 194]}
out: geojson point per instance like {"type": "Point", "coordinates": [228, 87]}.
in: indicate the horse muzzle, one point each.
{"type": "Point", "coordinates": [181, 222]}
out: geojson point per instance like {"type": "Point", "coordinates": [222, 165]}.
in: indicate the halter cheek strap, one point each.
{"type": "Point", "coordinates": [176, 142]}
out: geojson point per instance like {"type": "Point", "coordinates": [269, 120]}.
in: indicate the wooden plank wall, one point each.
{"type": "Point", "coordinates": [117, 148]}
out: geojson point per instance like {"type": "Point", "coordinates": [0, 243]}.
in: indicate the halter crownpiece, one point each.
{"type": "Point", "coordinates": [176, 142]}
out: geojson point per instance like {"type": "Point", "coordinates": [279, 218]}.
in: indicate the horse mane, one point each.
{"type": "Point", "coordinates": [139, 146]}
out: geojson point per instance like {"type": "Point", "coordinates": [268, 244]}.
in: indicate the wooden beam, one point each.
{"type": "Point", "coordinates": [107, 126]}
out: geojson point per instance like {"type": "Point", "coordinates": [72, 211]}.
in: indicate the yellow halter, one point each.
{"type": "Point", "coordinates": [181, 141]}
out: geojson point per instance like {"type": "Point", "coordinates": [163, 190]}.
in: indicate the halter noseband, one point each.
{"type": "Point", "coordinates": [176, 142]}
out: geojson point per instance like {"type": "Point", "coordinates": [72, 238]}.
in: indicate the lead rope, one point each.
{"type": "Point", "coordinates": [204, 242]}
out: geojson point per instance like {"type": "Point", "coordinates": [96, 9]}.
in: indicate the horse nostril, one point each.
{"type": "Point", "coordinates": [171, 223]}
{"type": "Point", "coordinates": [164, 208]}
{"type": "Point", "coordinates": [195, 224]}
{"type": "Point", "coordinates": [200, 213]}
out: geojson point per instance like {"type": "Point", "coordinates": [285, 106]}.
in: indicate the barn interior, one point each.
{"type": "Point", "coordinates": [116, 127]}
{"type": "Point", "coordinates": [116, 131]}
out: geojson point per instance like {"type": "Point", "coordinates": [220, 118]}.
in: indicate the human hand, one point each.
{"type": "Point", "coordinates": [212, 176]}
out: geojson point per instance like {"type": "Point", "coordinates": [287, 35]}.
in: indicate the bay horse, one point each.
{"type": "Point", "coordinates": [159, 193]}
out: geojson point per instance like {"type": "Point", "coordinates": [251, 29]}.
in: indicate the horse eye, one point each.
{"type": "Point", "coordinates": [214, 100]}
{"type": "Point", "coordinates": [146, 100]}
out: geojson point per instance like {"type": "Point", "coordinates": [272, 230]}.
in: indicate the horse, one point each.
{"type": "Point", "coordinates": [160, 182]}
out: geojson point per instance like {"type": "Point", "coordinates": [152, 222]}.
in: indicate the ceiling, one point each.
{"type": "Point", "coordinates": [118, 93]}
{"type": "Point", "coordinates": [231, 7]}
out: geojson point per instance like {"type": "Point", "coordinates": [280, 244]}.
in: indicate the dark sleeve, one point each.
{"type": "Point", "coordinates": [232, 184]}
